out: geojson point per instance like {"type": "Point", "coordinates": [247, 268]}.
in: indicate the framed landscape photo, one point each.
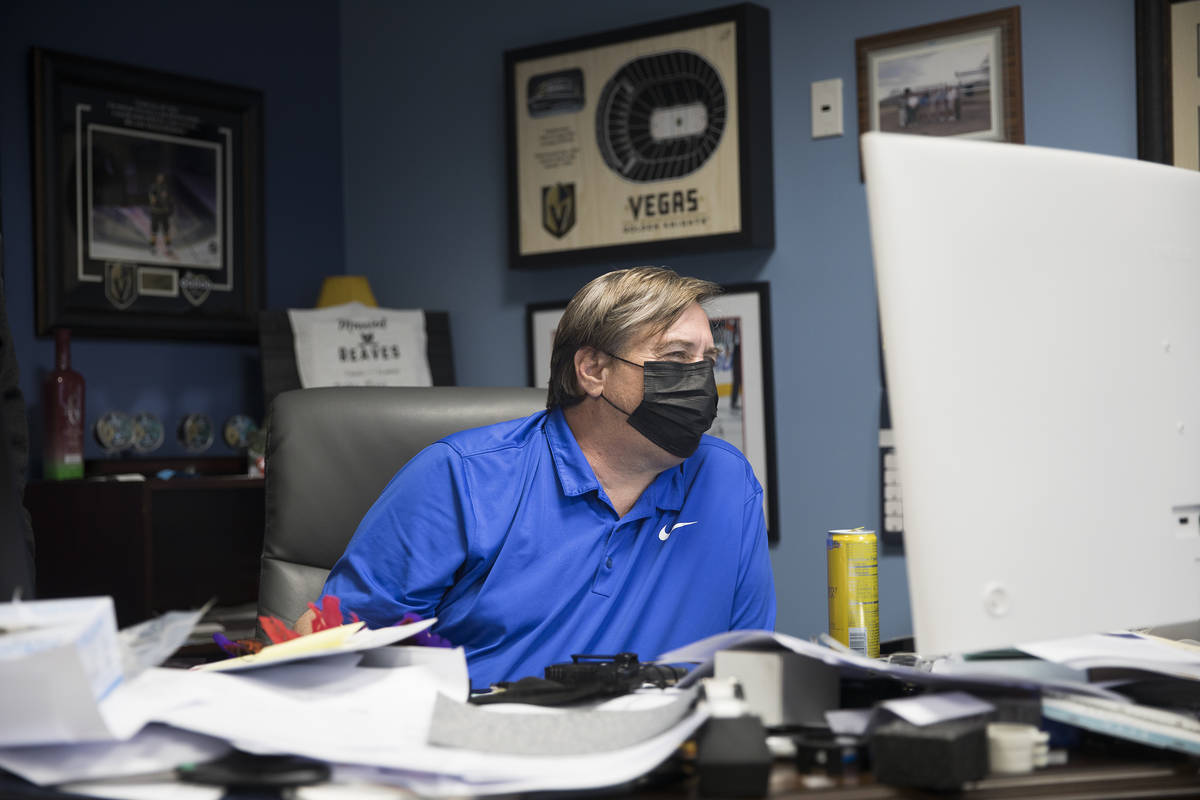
{"type": "Point", "coordinates": [961, 77]}
{"type": "Point", "coordinates": [147, 202]}
{"type": "Point", "coordinates": [1168, 78]}
{"type": "Point", "coordinates": [741, 324]}
{"type": "Point", "coordinates": [642, 142]}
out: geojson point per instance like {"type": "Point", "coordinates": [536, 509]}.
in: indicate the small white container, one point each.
{"type": "Point", "coordinates": [1014, 748]}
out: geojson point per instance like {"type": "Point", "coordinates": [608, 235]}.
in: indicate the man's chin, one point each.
{"type": "Point", "coordinates": [664, 457]}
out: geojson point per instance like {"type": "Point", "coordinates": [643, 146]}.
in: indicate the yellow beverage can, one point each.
{"type": "Point", "coordinates": [853, 558]}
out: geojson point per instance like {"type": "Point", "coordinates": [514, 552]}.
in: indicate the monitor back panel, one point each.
{"type": "Point", "coordinates": [1040, 313]}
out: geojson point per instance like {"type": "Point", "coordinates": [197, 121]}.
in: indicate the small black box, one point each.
{"type": "Point", "coordinates": [732, 757]}
{"type": "Point", "coordinates": [941, 756]}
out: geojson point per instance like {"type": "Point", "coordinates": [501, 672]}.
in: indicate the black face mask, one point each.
{"type": "Point", "coordinates": [679, 403]}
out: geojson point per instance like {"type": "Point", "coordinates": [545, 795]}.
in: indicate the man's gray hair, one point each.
{"type": "Point", "coordinates": [612, 310]}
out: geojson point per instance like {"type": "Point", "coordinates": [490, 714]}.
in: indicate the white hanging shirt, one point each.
{"type": "Point", "coordinates": [357, 345]}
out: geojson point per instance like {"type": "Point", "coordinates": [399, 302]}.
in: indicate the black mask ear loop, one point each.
{"type": "Point", "coordinates": [630, 363]}
{"type": "Point", "coordinates": [614, 405]}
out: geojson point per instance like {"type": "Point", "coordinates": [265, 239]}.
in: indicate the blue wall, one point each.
{"type": "Point", "coordinates": [422, 99]}
{"type": "Point", "coordinates": [290, 51]}
{"type": "Point", "coordinates": [402, 103]}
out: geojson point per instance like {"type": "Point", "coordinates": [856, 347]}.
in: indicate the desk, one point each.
{"type": "Point", "coordinates": [1084, 779]}
{"type": "Point", "coordinates": [154, 545]}
{"type": "Point", "coordinates": [1098, 780]}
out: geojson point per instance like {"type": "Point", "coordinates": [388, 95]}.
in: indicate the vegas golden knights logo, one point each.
{"type": "Point", "coordinates": [558, 208]}
{"type": "Point", "coordinates": [120, 284]}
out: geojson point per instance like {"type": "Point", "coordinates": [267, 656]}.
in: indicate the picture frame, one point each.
{"type": "Point", "coordinates": [148, 202]}
{"type": "Point", "coordinates": [938, 79]}
{"type": "Point", "coordinates": [891, 490]}
{"type": "Point", "coordinates": [605, 164]}
{"type": "Point", "coordinates": [541, 322]}
{"type": "Point", "coordinates": [741, 319]}
{"type": "Point", "coordinates": [1168, 80]}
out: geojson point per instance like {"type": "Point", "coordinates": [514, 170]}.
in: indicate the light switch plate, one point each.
{"type": "Point", "coordinates": [827, 108]}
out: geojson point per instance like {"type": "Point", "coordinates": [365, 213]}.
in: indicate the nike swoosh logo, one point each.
{"type": "Point", "coordinates": [664, 534]}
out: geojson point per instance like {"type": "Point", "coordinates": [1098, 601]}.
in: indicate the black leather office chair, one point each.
{"type": "Point", "coordinates": [331, 451]}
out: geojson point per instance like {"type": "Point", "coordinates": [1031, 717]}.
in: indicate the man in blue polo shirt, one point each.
{"type": "Point", "coordinates": [607, 523]}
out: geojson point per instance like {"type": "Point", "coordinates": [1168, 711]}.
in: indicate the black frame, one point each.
{"type": "Point", "coordinates": [1155, 109]}
{"type": "Point", "coordinates": [211, 286]}
{"type": "Point", "coordinates": [755, 162]}
{"type": "Point", "coordinates": [531, 355]}
{"type": "Point", "coordinates": [762, 290]}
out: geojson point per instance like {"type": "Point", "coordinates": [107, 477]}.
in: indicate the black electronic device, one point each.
{"type": "Point", "coordinates": [612, 674]}
{"type": "Point", "coordinates": [834, 754]}
{"type": "Point", "coordinates": [584, 677]}
{"type": "Point", "coordinates": [248, 771]}
{"type": "Point", "coordinates": [732, 757]}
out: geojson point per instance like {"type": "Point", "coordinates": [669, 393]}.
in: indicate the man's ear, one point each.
{"type": "Point", "coordinates": [591, 370]}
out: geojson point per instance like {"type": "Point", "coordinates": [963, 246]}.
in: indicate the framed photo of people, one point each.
{"type": "Point", "coordinates": [148, 202]}
{"type": "Point", "coordinates": [1168, 77]}
{"type": "Point", "coordinates": [641, 142]}
{"type": "Point", "coordinates": [961, 77]}
{"type": "Point", "coordinates": [741, 325]}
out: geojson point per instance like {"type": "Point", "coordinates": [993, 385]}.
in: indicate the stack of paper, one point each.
{"type": "Point", "coordinates": [1061, 682]}
{"type": "Point", "coordinates": [1121, 650]}
{"type": "Point", "coordinates": [58, 658]}
{"type": "Point", "coordinates": [313, 697]}
{"type": "Point", "coordinates": [404, 722]}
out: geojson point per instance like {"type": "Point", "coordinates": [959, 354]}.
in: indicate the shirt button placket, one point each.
{"type": "Point", "coordinates": [610, 545]}
{"type": "Point", "coordinates": [603, 583]}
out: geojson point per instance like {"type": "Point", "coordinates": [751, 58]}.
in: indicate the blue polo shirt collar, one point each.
{"type": "Point", "coordinates": [576, 476]}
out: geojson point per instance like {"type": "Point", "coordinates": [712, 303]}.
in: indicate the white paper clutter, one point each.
{"type": "Point", "coordinates": [58, 658]}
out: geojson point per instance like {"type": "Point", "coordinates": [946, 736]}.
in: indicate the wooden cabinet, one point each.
{"type": "Point", "coordinates": [154, 545]}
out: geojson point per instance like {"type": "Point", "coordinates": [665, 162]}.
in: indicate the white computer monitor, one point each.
{"type": "Point", "coordinates": [1040, 314]}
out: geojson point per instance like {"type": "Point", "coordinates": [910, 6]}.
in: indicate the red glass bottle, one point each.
{"type": "Point", "coordinates": [62, 402]}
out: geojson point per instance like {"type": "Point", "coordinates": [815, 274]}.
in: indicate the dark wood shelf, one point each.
{"type": "Point", "coordinates": [187, 465]}
{"type": "Point", "coordinates": [153, 545]}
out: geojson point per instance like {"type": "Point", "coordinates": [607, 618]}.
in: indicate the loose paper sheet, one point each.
{"type": "Point", "coordinates": [351, 638]}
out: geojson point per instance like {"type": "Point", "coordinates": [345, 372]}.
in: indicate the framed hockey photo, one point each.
{"type": "Point", "coordinates": [642, 142]}
{"type": "Point", "coordinates": [961, 77]}
{"type": "Point", "coordinates": [741, 326]}
{"type": "Point", "coordinates": [147, 202]}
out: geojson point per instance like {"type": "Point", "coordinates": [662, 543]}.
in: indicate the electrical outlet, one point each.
{"type": "Point", "coordinates": [1185, 520]}
{"type": "Point", "coordinates": [827, 108]}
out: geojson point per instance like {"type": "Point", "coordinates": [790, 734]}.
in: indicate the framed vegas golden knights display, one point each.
{"type": "Point", "coordinates": [642, 142]}
{"type": "Point", "coordinates": [148, 202]}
